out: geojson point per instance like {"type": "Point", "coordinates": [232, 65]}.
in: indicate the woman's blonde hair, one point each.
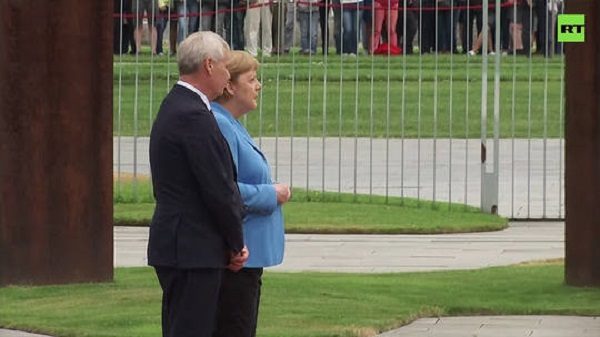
{"type": "Point", "coordinates": [239, 63]}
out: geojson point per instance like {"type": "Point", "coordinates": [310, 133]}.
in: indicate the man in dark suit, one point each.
{"type": "Point", "coordinates": [196, 230]}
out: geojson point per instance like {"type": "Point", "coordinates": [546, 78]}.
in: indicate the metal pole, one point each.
{"type": "Point", "coordinates": [489, 179]}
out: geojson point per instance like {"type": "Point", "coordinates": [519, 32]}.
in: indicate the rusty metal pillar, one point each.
{"type": "Point", "coordinates": [582, 180]}
{"type": "Point", "coordinates": [55, 141]}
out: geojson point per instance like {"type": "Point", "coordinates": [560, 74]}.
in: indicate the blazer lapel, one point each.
{"type": "Point", "coordinates": [250, 140]}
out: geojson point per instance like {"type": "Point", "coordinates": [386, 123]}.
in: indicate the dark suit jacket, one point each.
{"type": "Point", "coordinates": [198, 217]}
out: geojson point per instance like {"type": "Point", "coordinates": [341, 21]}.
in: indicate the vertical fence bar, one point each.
{"type": "Point", "coordinates": [170, 17]}
{"type": "Point", "coordinates": [484, 93]}
{"type": "Point", "coordinates": [119, 104]}
{"type": "Point", "coordinates": [277, 84]}
{"type": "Point", "coordinates": [514, 84]}
{"type": "Point", "coordinates": [435, 102]}
{"type": "Point", "coordinates": [152, 20]}
{"type": "Point", "coordinates": [279, 45]}
{"type": "Point", "coordinates": [260, 110]}
{"type": "Point", "coordinates": [371, 116]}
{"type": "Point", "coordinates": [293, 91]}
{"type": "Point", "coordinates": [450, 111]}
{"type": "Point", "coordinates": [545, 150]}
{"type": "Point", "coordinates": [497, 74]}
{"type": "Point", "coordinates": [356, 134]}
{"type": "Point", "coordinates": [355, 154]}
{"type": "Point", "coordinates": [325, 65]}
{"type": "Point", "coordinates": [561, 133]}
{"type": "Point", "coordinates": [135, 109]}
{"type": "Point", "coordinates": [529, 117]}
{"type": "Point", "coordinates": [466, 47]}
{"type": "Point", "coordinates": [308, 103]}
{"type": "Point", "coordinates": [340, 113]}
{"type": "Point", "coordinates": [403, 109]}
{"type": "Point", "coordinates": [387, 113]}
{"type": "Point", "coordinates": [420, 96]}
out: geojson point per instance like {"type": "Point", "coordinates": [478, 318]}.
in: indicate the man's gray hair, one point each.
{"type": "Point", "coordinates": [198, 47]}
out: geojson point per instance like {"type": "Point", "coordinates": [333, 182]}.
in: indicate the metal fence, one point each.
{"type": "Point", "coordinates": [433, 123]}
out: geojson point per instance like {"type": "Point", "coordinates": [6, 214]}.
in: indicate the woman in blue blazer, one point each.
{"type": "Point", "coordinates": [263, 222]}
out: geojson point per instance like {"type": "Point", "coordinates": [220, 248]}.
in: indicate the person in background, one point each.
{"type": "Point", "coordinates": [162, 19]}
{"type": "Point", "coordinates": [479, 40]}
{"type": "Point", "coordinates": [188, 12]}
{"type": "Point", "coordinates": [173, 26]}
{"type": "Point", "coordinates": [367, 20]}
{"type": "Point", "coordinates": [263, 224]}
{"type": "Point", "coordinates": [258, 17]}
{"type": "Point", "coordinates": [234, 24]}
{"type": "Point", "coordinates": [446, 24]}
{"type": "Point", "coordinates": [541, 36]}
{"type": "Point", "coordinates": [427, 33]}
{"type": "Point", "coordinates": [350, 26]}
{"type": "Point", "coordinates": [324, 10]}
{"type": "Point", "coordinates": [405, 11]}
{"type": "Point", "coordinates": [213, 16]}
{"type": "Point", "coordinates": [122, 26]}
{"type": "Point", "coordinates": [385, 10]}
{"type": "Point", "coordinates": [308, 15]}
{"type": "Point", "coordinates": [525, 18]}
{"type": "Point", "coordinates": [196, 229]}
{"type": "Point", "coordinates": [145, 9]}
{"type": "Point", "coordinates": [472, 14]}
{"type": "Point", "coordinates": [290, 26]}
{"type": "Point", "coordinates": [279, 11]}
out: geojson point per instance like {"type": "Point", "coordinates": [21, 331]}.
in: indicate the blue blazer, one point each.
{"type": "Point", "coordinates": [263, 223]}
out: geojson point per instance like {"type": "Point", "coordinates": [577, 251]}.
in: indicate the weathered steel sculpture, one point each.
{"type": "Point", "coordinates": [55, 141]}
{"type": "Point", "coordinates": [582, 262]}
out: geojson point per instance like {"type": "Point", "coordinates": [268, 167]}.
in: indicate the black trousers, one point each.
{"type": "Point", "coordinates": [239, 299]}
{"type": "Point", "coordinates": [323, 22]}
{"type": "Point", "coordinates": [411, 28]}
{"type": "Point", "coordinates": [189, 302]}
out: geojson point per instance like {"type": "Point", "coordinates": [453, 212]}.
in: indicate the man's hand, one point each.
{"type": "Point", "coordinates": [283, 193]}
{"type": "Point", "coordinates": [237, 260]}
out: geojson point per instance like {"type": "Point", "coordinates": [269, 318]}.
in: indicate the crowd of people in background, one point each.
{"type": "Point", "coordinates": [400, 26]}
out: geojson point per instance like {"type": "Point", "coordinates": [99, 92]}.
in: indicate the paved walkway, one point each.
{"type": "Point", "coordinates": [15, 333]}
{"type": "Point", "coordinates": [522, 241]}
{"type": "Point", "coordinates": [501, 326]}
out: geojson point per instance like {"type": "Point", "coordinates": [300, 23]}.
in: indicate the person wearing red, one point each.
{"type": "Point", "coordinates": [385, 10]}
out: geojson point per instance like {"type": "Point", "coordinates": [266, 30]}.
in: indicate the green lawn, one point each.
{"type": "Point", "coordinates": [317, 212]}
{"type": "Point", "coordinates": [305, 304]}
{"type": "Point", "coordinates": [367, 96]}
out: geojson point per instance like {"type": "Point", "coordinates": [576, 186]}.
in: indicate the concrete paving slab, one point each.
{"type": "Point", "coordinates": [15, 333]}
{"type": "Point", "coordinates": [500, 326]}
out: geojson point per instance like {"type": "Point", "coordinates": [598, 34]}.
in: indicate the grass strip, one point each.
{"type": "Point", "coordinates": [305, 304]}
{"type": "Point", "coordinates": [329, 213]}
